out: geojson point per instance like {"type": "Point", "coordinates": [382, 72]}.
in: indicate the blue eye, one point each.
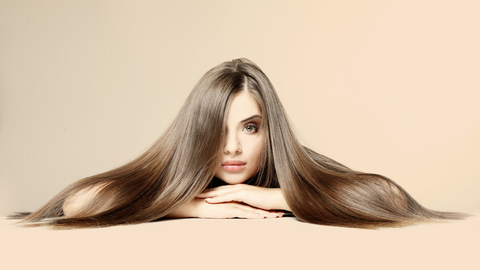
{"type": "Point", "coordinates": [251, 128]}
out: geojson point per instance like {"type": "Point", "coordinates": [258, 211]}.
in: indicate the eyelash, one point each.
{"type": "Point", "coordinates": [255, 126]}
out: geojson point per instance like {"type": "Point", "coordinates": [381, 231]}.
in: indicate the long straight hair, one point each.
{"type": "Point", "coordinates": [182, 163]}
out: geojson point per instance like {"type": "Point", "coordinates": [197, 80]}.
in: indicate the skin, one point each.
{"type": "Point", "coordinates": [74, 204]}
{"type": "Point", "coordinates": [243, 143]}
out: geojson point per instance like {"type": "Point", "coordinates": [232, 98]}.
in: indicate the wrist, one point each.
{"type": "Point", "coordinates": [186, 210]}
{"type": "Point", "coordinates": [193, 207]}
{"type": "Point", "coordinates": [280, 201]}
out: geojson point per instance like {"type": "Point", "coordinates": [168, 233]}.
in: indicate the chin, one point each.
{"type": "Point", "coordinates": [232, 179]}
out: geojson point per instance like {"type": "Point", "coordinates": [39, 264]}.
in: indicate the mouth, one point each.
{"type": "Point", "coordinates": [233, 165]}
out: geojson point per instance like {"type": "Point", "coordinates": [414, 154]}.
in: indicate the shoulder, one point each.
{"type": "Point", "coordinates": [76, 203]}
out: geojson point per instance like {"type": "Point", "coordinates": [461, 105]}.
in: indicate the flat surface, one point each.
{"type": "Point", "coordinates": [282, 243]}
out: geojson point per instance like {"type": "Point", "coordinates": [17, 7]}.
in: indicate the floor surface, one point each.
{"type": "Point", "coordinates": [284, 243]}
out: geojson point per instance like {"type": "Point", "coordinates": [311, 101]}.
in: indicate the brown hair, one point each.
{"type": "Point", "coordinates": [182, 162]}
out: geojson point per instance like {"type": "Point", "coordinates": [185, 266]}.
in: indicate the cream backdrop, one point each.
{"type": "Point", "coordinates": [390, 87]}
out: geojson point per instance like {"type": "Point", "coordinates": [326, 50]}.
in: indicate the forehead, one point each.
{"type": "Point", "coordinates": [242, 106]}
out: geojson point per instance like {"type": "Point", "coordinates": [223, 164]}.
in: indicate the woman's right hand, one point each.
{"type": "Point", "coordinates": [199, 208]}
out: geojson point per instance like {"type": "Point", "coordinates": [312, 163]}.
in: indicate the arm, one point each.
{"type": "Point", "coordinates": [259, 197]}
{"type": "Point", "coordinates": [74, 205]}
{"type": "Point", "coordinates": [199, 208]}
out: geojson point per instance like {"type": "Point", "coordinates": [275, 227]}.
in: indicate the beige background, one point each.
{"type": "Point", "coordinates": [390, 87]}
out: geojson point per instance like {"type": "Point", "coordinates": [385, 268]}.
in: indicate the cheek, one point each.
{"type": "Point", "coordinates": [257, 149]}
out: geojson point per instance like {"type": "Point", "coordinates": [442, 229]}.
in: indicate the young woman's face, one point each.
{"type": "Point", "coordinates": [243, 143]}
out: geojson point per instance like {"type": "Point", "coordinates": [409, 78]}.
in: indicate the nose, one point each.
{"type": "Point", "coordinates": [232, 144]}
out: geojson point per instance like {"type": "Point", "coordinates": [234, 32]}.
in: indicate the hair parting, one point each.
{"type": "Point", "coordinates": [182, 162]}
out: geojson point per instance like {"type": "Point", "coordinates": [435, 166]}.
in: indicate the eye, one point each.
{"type": "Point", "coordinates": [251, 128]}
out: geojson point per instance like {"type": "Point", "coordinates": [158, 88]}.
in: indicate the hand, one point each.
{"type": "Point", "coordinates": [259, 197]}
{"type": "Point", "coordinates": [201, 209]}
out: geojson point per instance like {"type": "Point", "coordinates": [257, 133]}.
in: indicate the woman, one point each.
{"type": "Point", "coordinates": [229, 153]}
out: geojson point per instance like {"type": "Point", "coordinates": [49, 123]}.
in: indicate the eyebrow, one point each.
{"type": "Point", "coordinates": [250, 118]}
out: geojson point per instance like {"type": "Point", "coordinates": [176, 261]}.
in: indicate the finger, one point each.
{"type": "Point", "coordinates": [225, 188]}
{"type": "Point", "coordinates": [216, 192]}
{"type": "Point", "coordinates": [237, 210]}
{"type": "Point", "coordinates": [247, 213]}
{"type": "Point", "coordinates": [251, 212]}
{"type": "Point", "coordinates": [229, 197]}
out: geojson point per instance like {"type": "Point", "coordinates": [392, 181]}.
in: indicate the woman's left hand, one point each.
{"type": "Point", "coordinates": [259, 197]}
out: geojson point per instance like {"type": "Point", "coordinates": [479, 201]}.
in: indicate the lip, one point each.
{"type": "Point", "coordinates": [233, 165]}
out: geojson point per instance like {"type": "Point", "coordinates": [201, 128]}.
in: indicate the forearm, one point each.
{"type": "Point", "coordinates": [185, 210]}
{"type": "Point", "coordinates": [279, 201]}
{"type": "Point", "coordinates": [259, 197]}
